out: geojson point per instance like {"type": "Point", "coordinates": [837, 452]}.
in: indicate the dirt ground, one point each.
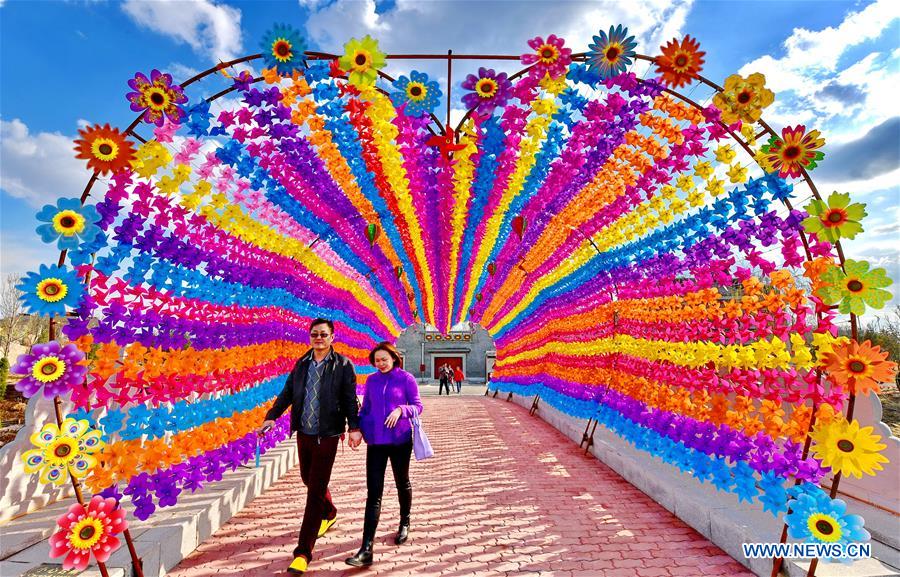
{"type": "Point", "coordinates": [890, 400]}
{"type": "Point", "coordinates": [12, 413]}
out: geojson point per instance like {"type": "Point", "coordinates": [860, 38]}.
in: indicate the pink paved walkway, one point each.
{"type": "Point", "coordinates": [506, 494]}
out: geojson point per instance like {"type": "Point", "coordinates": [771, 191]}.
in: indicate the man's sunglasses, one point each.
{"type": "Point", "coordinates": [320, 335]}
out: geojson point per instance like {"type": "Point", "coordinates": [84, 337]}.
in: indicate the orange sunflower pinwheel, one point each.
{"type": "Point", "coordinates": [680, 62]}
{"type": "Point", "coordinates": [861, 366]}
{"type": "Point", "coordinates": [105, 148]}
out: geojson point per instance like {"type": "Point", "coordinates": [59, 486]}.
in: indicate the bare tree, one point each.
{"type": "Point", "coordinates": [12, 317]}
{"type": "Point", "coordinates": [34, 330]}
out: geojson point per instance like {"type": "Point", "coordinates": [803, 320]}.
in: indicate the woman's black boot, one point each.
{"type": "Point", "coordinates": [363, 557]}
{"type": "Point", "coordinates": [402, 534]}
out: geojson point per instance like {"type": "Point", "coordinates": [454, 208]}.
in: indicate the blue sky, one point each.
{"type": "Point", "coordinates": [833, 66]}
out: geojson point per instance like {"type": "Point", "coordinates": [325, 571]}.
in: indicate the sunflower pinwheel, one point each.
{"type": "Point", "coordinates": [550, 58]}
{"type": "Point", "coordinates": [611, 54]}
{"type": "Point", "coordinates": [106, 149]}
{"type": "Point", "coordinates": [68, 223]}
{"type": "Point", "coordinates": [157, 97]}
{"type": "Point", "coordinates": [52, 366]}
{"type": "Point", "coordinates": [87, 530]}
{"type": "Point", "coordinates": [796, 149]}
{"type": "Point", "coordinates": [362, 60]}
{"type": "Point", "coordinates": [847, 448]}
{"type": "Point", "coordinates": [860, 366]}
{"type": "Point", "coordinates": [418, 93]}
{"type": "Point", "coordinates": [836, 219]}
{"type": "Point", "coordinates": [680, 62]}
{"type": "Point", "coordinates": [743, 98]}
{"type": "Point", "coordinates": [817, 518]}
{"type": "Point", "coordinates": [283, 49]}
{"type": "Point", "coordinates": [62, 451]}
{"type": "Point", "coordinates": [488, 90]}
{"type": "Point", "coordinates": [856, 288]}
{"type": "Point", "coordinates": [50, 290]}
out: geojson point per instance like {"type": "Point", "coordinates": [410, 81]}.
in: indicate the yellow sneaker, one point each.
{"type": "Point", "coordinates": [298, 565]}
{"type": "Point", "coordinates": [326, 525]}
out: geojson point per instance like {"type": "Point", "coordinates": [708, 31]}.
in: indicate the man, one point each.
{"type": "Point", "coordinates": [444, 380]}
{"type": "Point", "coordinates": [321, 391]}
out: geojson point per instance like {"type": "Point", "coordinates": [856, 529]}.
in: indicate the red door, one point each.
{"type": "Point", "coordinates": [439, 362]}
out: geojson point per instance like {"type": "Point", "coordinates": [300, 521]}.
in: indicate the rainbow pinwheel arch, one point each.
{"type": "Point", "coordinates": [638, 259]}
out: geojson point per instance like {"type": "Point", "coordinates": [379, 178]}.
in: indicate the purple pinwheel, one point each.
{"type": "Point", "coordinates": [488, 91]}
{"type": "Point", "coordinates": [157, 97]}
{"type": "Point", "coordinates": [55, 367]}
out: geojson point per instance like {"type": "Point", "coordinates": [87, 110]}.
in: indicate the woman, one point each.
{"type": "Point", "coordinates": [458, 376]}
{"type": "Point", "coordinates": [391, 397]}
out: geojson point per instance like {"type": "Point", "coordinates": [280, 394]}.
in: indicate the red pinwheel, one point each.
{"type": "Point", "coordinates": [446, 143]}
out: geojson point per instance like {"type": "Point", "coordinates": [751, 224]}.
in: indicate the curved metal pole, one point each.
{"type": "Point", "coordinates": [450, 57]}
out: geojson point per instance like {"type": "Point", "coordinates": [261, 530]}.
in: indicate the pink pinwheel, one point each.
{"type": "Point", "coordinates": [549, 58]}
{"type": "Point", "coordinates": [86, 530]}
{"type": "Point", "coordinates": [165, 131]}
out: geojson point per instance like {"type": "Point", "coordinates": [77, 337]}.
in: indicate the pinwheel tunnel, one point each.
{"type": "Point", "coordinates": [637, 258]}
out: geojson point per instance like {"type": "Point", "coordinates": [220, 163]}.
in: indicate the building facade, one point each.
{"type": "Point", "coordinates": [467, 346]}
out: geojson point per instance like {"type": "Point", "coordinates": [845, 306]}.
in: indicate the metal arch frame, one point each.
{"type": "Point", "coordinates": [449, 57]}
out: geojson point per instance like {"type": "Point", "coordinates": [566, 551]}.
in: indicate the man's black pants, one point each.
{"type": "Point", "coordinates": [316, 461]}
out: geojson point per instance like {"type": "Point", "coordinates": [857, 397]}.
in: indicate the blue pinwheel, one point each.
{"type": "Point", "coordinates": [818, 518]}
{"type": "Point", "coordinates": [68, 223]}
{"type": "Point", "coordinates": [419, 94]}
{"type": "Point", "coordinates": [283, 49]}
{"type": "Point", "coordinates": [50, 290]}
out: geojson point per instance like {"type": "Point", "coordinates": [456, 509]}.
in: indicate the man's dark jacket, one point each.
{"type": "Point", "coordinates": [337, 395]}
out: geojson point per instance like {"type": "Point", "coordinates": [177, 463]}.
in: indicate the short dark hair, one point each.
{"type": "Point", "coordinates": [322, 322]}
{"type": "Point", "coordinates": [389, 349]}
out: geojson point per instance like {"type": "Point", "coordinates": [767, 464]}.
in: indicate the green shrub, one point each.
{"type": "Point", "coordinates": [4, 374]}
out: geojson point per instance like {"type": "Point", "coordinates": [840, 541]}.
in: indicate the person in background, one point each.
{"type": "Point", "coordinates": [445, 379]}
{"type": "Point", "coordinates": [321, 391]}
{"type": "Point", "coordinates": [391, 399]}
{"type": "Point", "coordinates": [458, 376]}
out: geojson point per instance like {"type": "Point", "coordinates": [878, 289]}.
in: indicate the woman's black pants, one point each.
{"type": "Point", "coordinates": [377, 457]}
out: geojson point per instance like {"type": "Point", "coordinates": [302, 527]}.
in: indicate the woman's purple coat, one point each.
{"type": "Point", "coordinates": [384, 393]}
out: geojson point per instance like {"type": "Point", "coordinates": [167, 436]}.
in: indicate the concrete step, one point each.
{"type": "Point", "coordinates": [161, 541]}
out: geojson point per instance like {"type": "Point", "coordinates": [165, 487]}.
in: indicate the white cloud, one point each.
{"type": "Point", "coordinates": [888, 180]}
{"type": "Point", "coordinates": [211, 30]}
{"type": "Point", "coordinates": [39, 168]}
{"type": "Point", "coordinates": [849, 101]}
{"type": "Point", "coordinates": [180, 72]}
{"type": "Point", "coordinates": [313, 4]}
{"type": "Point", "coordinates": [810, 51]}
{"type": "Point", "coordinates": [812, 88]}
{"type": "Point", "coordinates": [492, 27]}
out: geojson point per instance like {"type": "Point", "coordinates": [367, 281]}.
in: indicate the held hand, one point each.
{"type": "Point", "coordinates": [265, 427]}
{"type": "Point", "coordinates": [393, 418]}
{"type": "Point", "coordinates": [355, 440]}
